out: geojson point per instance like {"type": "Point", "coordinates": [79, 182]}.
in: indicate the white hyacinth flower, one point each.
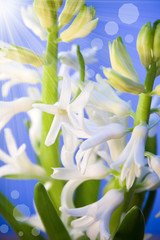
{"type": "Point", "coordinates": [17, 161]}
{"type": "Point", "coordinates": [151, 182]}
{"type": "Point", "coordinates": [99, 136]}
{"type": "Point", "coordinates": [95, 218]}
{"type": "Point", "coordinates": [154, 117]}
{"type": "Point", "coordinates": [70, 57]}
{"type": "Point", "coordinates": [133, 156]}
{"type": "Point", "coordinates": [64, 110]}
{"type": "Point", "coordinates": [31, 20]}
{"type": "Point", "coordinates": [154, 162]}
{"type": "Point", "coordinates": [17, 73]}
{"type": "Point", "coordinates": [105, 98]}
{"type": "Point", "coordinates": [11, 108]}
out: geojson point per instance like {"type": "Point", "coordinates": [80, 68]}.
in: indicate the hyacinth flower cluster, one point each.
{"type": "Point", "coordinates": [91, 120]}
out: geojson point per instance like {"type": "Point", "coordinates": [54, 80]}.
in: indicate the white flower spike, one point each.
{"type": "Point", "coordinates": [96, 217]}
{"type": "Point", "coordinates": [31, 20]}
{"type": "Point", "coordinates": [17, 73]}
{"type": "Point", "coordinates": [64, 111]}
{"type": "Point", "coordinates": [133, 156]}
{"type": "Point", "coordinates": [9, 109]}
{"type": "Point", "coordinates": [17, 161]}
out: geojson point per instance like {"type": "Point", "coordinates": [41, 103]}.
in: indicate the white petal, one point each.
{"type": "Point", "coordinates": [82, 222]}
{"type": "Point", "coordinates": [5, 158]}
{"type": "Point", "coordinates": [46, 108]}
{"type": "Point", "coordinates": [111, 131]}
{"type": "Point", "coordinates": [81, 101]}
{"type": "Point", "coordinates": [65, 92]}
{"type": "Point", "coordinates": [8, 170]}
{"type": "Point", "coordinates": [68, 193]}
{"type": "Point", "coordinates": [53, 132]}
{"type": "Point", "coordinates": [93, 231]}
{"type": "Point", "coordinates": [11, 143]}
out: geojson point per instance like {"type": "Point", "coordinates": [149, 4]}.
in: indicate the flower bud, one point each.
{"type": "Point", "coordinates": [121, 61]}
{"type": "Point", "coordinates": [81, 26]}
{"type": "Point", "coordinates": [156, 91]}
{"type": "Point", "coordinates": [144, 44]}
{"type": "Point", "coordinates": [154, 162]}
{"type": "Point", "coordinates": [122, 83]}
{"type": "Point", "coordinates": [58, 4]}
{"type": "Point", "coordinates": [156, 43]}
{"type": "Point", "coordinates": [22, 55]}
{"type": "Point", "coordinates": [70, 9]}
{"type": "Point", "coordinates": [45, 10]}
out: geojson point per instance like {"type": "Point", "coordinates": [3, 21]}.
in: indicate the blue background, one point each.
{"type": "Point", "coordinates": [111, 24]}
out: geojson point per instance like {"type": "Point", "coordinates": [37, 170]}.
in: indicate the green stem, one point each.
{"type": "Point", "coordinates": [143, 108]}
{"type": "Point", "coordinates": [50, 155]}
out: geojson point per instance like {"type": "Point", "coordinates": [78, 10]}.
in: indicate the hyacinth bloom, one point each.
{"type": "Point", "coordinates": [121, 61]}
{"type": "Point", "coordinates": [31, 21]}
{"type": "Point", "coordinates": [17, 73]}
{"type": "Point", "coordinates": [9, 109]}
{"type": "Point", "coordinates": [17, 161]}
{"type": "Point", "coordinates": [82, 25]}
{"type": "Point", "coordinates": [64, 111]}
{"type": "Point", "coordinates": [133, 156]}
{"type": "Point", "coordinates": [105, 98]}
{"type": "Point", "coordinates": [154, 162]}
{"type": "Point", "coordinates": [96, 217]}
{"type": "Point", "coordinates": [70, 9]}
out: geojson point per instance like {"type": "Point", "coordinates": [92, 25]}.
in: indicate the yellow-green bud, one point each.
{"type": "Point", "coordinates": [58, 4]}
{"type": "Point", "coordinates": [145, 44]}
{"type": "Point", "coordinates": [22, 55]}
{"type": "Point", "coordinates": [45, 10]}
{"type": "Point", "coordinates": [122, 83]}
{"type": "Point", "coordinates": [156, 91]}
{"type": "Point", "coordinates": [82, 25]}
{"type": "Point", "coordinates": [156, 43]}
{"type": "Point", "coordinates": [70, 9]}
{"type": "Point", "coordinates": [121, 61]}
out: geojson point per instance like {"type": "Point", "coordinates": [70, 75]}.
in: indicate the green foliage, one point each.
{"type": "Point", "coordinates": [48, 214]}
{"type": "Point", "coordinates": [6, 210]}
{"type": "Point", "coordinates": [132, 227]}
{"type": "Point", "coordinates": [87, 193]}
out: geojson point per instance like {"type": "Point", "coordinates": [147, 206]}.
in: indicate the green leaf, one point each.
{"type": "Point", "coordinates": [81, 64]}
{"type": "Point", "coordinates": [49, 216]}
{"type": "Point", "coordinates": [87, 193]}
{"type": "Point", "coordinates": [6, 210]}
{"type": "Point", "coordinates": [132, 227]}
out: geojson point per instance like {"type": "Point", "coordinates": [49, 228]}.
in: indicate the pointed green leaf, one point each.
{"type": "Point", "coordinates": [49, 216]}
{"type": "Point", "coordinates": [87, 193]}
{"type": "Point", "coordinates": [6, 210]}
{"type": "Point", "coordinates": [132, 227]}
{"type": "Point", "coordinates": [81, 64]}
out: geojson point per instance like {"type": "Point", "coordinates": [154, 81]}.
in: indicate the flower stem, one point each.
{"type": "Point", "coordinates": [50, 155]}
{"type": "Point", "coordinates": [144, 103]}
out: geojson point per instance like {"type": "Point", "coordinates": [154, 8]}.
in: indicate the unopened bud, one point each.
{"type": "Point", "coordinates": [121, 61]}
{"type": "Point", "coordinates": [58, 4]}
{"type": "Point", "coordinates": [122, 83]}
{"type": "Point", "coordinates": [70, 9]}
{"type": "Point", "coordinates": [22, 55]}
{"type": "Point", "coordinates": [81, 26]}
{"type": "Point", "coordinates": [156, 43]}
{"type": "Point", "coordinates": [156, 91]}
{"type": "Point", "coordinates": [154, 162]}
{"type": "Point", "coordinates": [145, 44]}
{"type": "Point", "coordinates": [45, 10]}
